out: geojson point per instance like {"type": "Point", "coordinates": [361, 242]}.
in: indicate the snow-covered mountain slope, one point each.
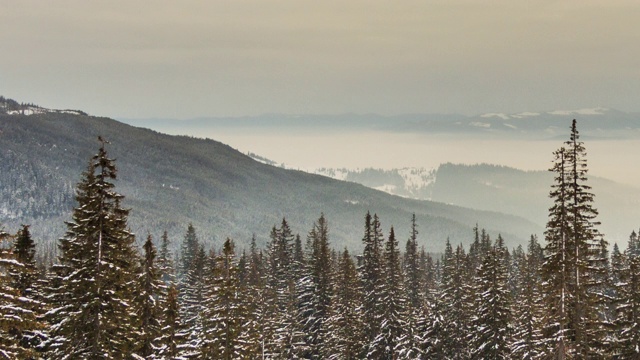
{"type": "Point", "coordinates": [12, 107]}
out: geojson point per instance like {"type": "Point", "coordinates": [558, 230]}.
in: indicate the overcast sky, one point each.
{"type": "Point", "coordinates": [139, 59]}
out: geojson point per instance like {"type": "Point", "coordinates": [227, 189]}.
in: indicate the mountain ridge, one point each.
{"type": "Point", "coordinates": [170, 181]}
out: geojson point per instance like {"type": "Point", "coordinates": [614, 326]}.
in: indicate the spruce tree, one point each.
{"type": "Point", "coordinates": [491, 329]}
{"type": "Point", "coordinates": [627, 323]}
{"type": "Point", "coordinates": [371, 271]}
{"type": "Point", "coordinates": [388, 342]}
{"type": "Point", "coordinates": [573, 268]}
{"type": "Point", "coordinates": [98, 272]}
{"type": "Point", "coordinates": [527, 305]}
{"type": "Point", "coordinates": [191, 304]}
{"type": "Point", "coordinates": [345, 325]}
{"type": "Point", "coordinates": [148, 306]}
{"type": "Point", "coordinates": [17, 316]}
{"type": "Point", "coordinates": [223, 314]}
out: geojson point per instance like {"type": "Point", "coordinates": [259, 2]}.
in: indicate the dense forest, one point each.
{"type": "Point", "coordinates": [102, 297]}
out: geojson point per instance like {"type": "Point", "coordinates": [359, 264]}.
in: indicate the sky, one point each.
{"type": "Point", "coordinates": [187, 59]}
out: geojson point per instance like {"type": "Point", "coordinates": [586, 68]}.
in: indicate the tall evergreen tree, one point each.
{"type": "Point", "coordinates": [98, 271]}
{"type": "Point", "coordinates": [388, 344]}
{"type": "Point", "coordinates": [491, 324]}
{"type": "Point", "coordinates": [191, 304]}
{"type": "Point", "coordinates": [372, 271]}
{"type": "Point", "coordinates": [573, 267]}
{"type": "Point", "coordinates": [627, 323]}
{"type": "Point", "coordinates": [17, 318]}
{"type": "Point", "coordinates": [345, 326]}
{"type": "Point", "coordinates": [189, 250]}
{"type": "Point", "coordinates": [148, 306]}
{"type": "Point", "coordinates": [223, 315]}
{"type": "Point", "coordinates": [527, 305]}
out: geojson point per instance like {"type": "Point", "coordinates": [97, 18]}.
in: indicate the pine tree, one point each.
{"type": "Point", "coordinates": [527, 306]}
{"type": "Point", "coordinates": [316, 300]}
{"type": "Point", "coordinates": [388, 344]}
{"type": "Point", "coordinates": [166, 267]}
{"type": "Point", "coordinates": [148, 306]}
{"type": "Point", "coordinates": [371, 271]}
{"type": "Point", "coordinates": [253, 301]}
{"type": "Point", "coordinates": [223, 315]}
{"type": "Point", "coordinates": [98, 272]}
{"type": "Point", "coordinates": [17, 318]}
{"type": "Point", "coordinates": [345, 326]}
{"type": "Point", "coordinates": [573, 266]}
{"type": "Point", "coordinates": [189, 250]}
{"type": "Point", "coordinates": [491, 330]}
{"type": "Point", "coordinates": [26, 282]}
{"type": "Point", "coordinates": [414, 273]}
{"type": "Point", "coordinates": [191, 304]}
{"type": "Point", "coordinates": [627, 323]}
{"type": "Point", "coordinates": [172, 341]}
{"type": "Point", "coordinates": [456, 302]}
{"type": "Point", "coordinates": [282, 339]}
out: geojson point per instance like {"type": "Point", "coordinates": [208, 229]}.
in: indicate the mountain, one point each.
{"type": "Point", "coordinates": [499, 188]}
{"type": "Point", "coordinates": [599, 122]}
{"type": "Point", "coordinates": [170, 181]}
{"type": "Point", "coordinates": [414, 183]}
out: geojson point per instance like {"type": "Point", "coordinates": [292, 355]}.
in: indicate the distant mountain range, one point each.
{"type": "Point", "coordinates": [599, 122]}
{"type": "Point", "coordinates": [498, 188]}
{"type": "Point", "coordinates": [170, 181]}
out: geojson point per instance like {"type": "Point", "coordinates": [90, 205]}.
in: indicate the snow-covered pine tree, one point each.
{"type": "Point", "coordinates": [282, 339]}
{"type": "Point", "coordinates": [223, 316]}
{"type": "Point", "coordinates": [26, 281]}
{"type": "Point", "coordinates": [371, 273]}
{"type": "Point", "coordinates": [252, 295]}
{"type": "Point", "coordinates": [191, 303]}
{"type": "Point", "coordinates": [166, 266]}
{"type": "Point", "coordinates": [97, 279]}
{"type": "Point", "coordinates": [17, 318]}
{"type": "Point", "coordinates": [456, 300]}
{"type": "Point", "coordinates": [414, 273]}
{"type": "Point", "coordinates": [490, 333]}
{"type": "Point", "coordinates": [148, 306]}
{"type": "Point", "coordinates": [572, 271]}
{"type": "Point", "coordinates": [315, 290]}
{"type": "Point", "coordinates": [527, 307]}
{"type": "Point", "coordinates": [345, 327]}
{"type": "Point", "coordinates": [188, 250]}
{"type": "Point", "coordinates": [388, 344]}
{"type": "Point", "coordinates": [172, 341]}
{"type": "Point", "coordinates": [627, 323]}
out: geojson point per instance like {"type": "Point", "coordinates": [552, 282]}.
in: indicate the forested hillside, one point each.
{"type": "Point", "coordinates": [170, 181]}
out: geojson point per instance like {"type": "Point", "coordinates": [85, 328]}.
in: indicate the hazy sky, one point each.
{"type": "Point", "coordinates": [138, 59]}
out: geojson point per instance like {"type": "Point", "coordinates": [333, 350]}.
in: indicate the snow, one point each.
{"type": "Point", "coordinates": [525, 114]}
{"type": "Point", "coordinates": [480, 124]}
{"type": "Point", "coordinates": [498, 115]}
{"type": "Point", "coordinates": [34, 110]}
{"type": "Point", "coordinates": [388, 188]}
{"type": "Point", "coordinates": [510, 126]}
{"type": "Point", "coordinates": [587, 111]}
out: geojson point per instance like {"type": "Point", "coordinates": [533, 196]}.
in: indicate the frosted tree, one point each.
{"type": "Point", "coordinates": [97, 277]}
{"type": "Point", "coordinates": [627, 322]}
{"type": "Point", "coordinates": [527, 305]}
{"type": "Point", "coordinates": [491, 323]}
{"type": "Point", "coordinates": [17, 315]}
{"type": "Point", "coordinates": [371, 273]}
{"type": "Point", "coordinates": [148, 305]}
{"type": "Point", "coordinates": [572, 271]}
{"type": "Point", "coordinates": [345, 326]}
{"type": "Point", "coordinates": [223, 314]}
{"type": "Point", "coordinates": [388, 344]}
